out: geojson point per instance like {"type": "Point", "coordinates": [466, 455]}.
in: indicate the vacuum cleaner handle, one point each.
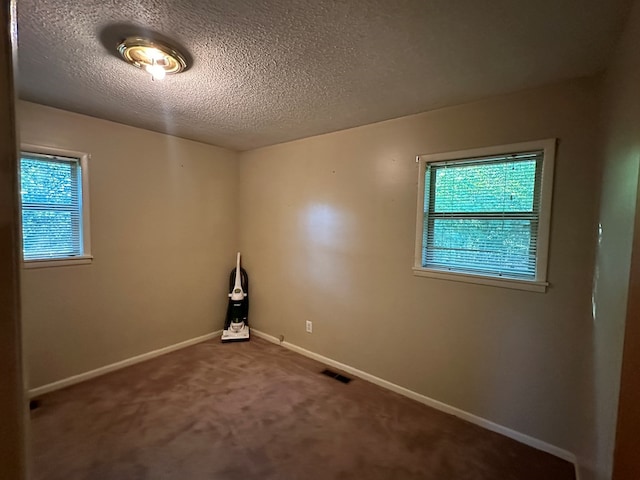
{"type": "Point", "coordinates": [238, 293]}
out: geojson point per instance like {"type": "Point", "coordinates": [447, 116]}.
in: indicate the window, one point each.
{"type": "Point", "coordinates": [483, 215]}
{"type": "Point", "coordinates": [54, 201]}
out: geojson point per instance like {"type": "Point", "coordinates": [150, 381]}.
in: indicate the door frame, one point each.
{"type": "Point", "coordinates": [625, 459]}
{"type": "Point", "coordinates": [13, 408]}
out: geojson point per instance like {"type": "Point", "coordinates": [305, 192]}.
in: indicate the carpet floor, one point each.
{"type": "Point", "coordinates": [258, 411]}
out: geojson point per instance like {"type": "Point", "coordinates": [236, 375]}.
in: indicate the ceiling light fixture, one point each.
{"type": "Point", "coordinates": [154, 57]}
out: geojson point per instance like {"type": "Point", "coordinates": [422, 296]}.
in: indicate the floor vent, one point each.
{"type": "Point", "coordinates": [337, 376]}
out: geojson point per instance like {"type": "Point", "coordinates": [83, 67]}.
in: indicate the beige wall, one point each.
{"type": "Point", "coordinates": [621, 121]}
{"type": "Point", "coordinates": [12, 402]}
{"type": "Point", "coordinates": [328, 228]}
{"type": "Point", "coordinates": [163, 234]}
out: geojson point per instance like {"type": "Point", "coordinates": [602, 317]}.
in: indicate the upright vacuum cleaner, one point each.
{"type": "Point", "coordinates": [236, 325]}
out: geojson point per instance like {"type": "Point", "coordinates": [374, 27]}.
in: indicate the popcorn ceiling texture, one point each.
{"type": "Point", "coordinates": [269, 71]}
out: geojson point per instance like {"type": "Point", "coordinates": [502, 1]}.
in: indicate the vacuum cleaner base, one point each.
{"type": "Point", "coordinates": [240, 336]}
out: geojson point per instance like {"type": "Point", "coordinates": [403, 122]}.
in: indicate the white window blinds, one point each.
{"type": "Point", "coordinates": [481, 215]}
{"type": "Point", "coordinates": [51, 194]}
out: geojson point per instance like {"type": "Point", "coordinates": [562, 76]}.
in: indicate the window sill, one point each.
{"type": "Point", "coordinates": [57, 262]}
{"type": "Point", "coordinates": [530, 286]}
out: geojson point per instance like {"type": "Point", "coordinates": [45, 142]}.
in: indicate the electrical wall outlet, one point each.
{"type": "Point", "coordinates": [309, 326]}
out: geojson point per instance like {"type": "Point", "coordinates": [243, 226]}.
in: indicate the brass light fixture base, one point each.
{"type": "Point", "coordinates": [150, 55]}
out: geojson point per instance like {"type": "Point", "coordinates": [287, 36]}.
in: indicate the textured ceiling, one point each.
{"type": "Point", "coordinates": [268, 71]}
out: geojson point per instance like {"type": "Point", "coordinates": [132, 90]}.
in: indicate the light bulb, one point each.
{"type": "Point", "coordinates": [156, 71]}
{"type": "Point", "coordinates": [155, 54]}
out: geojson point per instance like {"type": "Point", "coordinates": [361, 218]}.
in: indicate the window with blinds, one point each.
{"type": "Point", "coordinates": [51, 192]}
{"type": "Point", "coordinates": [486, 215]}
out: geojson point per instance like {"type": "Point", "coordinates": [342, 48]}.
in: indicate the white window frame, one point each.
{"type": "Point", "coordinates": [83, 158]}
{"type": "Point", "coordinates": [539, 283]}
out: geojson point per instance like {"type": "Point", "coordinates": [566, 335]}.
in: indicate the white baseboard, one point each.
{"type": "Point", "coordinates": [50, 387]}
{"type": "Point", "coordinates": [443, 407]}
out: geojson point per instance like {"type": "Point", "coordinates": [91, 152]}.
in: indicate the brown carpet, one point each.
{"type": "Point", "coordinates": [257, 411]}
